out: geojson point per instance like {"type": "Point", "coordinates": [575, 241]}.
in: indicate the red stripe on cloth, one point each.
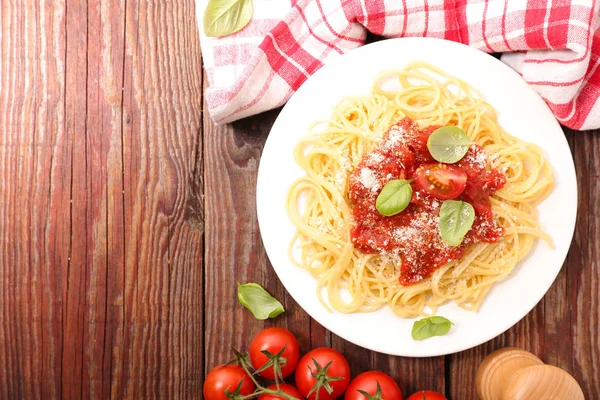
{"type": "Point", "coordinates": [287, 43]}
{"type": "Point", "coordinates": [350, 39]}
{"type": "Point", "coordinates": [426, 8]}
{"type": "Point", "coordinates": [375, 23]}
{"type": "Point", "coordinates": [405, 22]}
{"type": "Point", "coordinates": [591, 38]}
{"type": "Point", "coordinates": [401, 11]}
{"type": "Point", "coordinates": [535, 14]}
{"type": "Point", "coordinates": [584, 101]}
{"type": "Point", "coordinates": [504, 27]}
{"type": "Point", "coordinates": [483, 26]}
{"type": "Point", "coordinates": [463, 26]}
{"type": "Point", "coordinates": [313, 34]}
{"type": "Point", "coordinates": [556, 84]}
{"type": "Point", "coordinates": [352, 10]}
{"type": "Point", "coordinates": [558, 23]}
{"type": "Point", "coordinates": [451, 31]}
{"type": "Point", "coordinates": [284, 44]}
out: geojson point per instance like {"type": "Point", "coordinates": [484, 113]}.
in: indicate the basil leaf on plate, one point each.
{"type": "Point", "coordinates": [259, 301]}
{"type": "Point", "coordinates": [432, 326]}
{"type": "Point", "coordinates": [224, 17]}
{"type": "Point", "coordinates": [448, 144]}
{"type": "Point", "coordinates": [394, 197]}
{"type": "Point", "coordinates": [456, 219]}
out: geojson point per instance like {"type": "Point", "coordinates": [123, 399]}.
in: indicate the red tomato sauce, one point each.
{"type": "Point", "coordinates": [413, 234]}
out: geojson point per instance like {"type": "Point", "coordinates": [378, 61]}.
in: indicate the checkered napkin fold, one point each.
{"type": "Point", "coordinates": [554, 45]}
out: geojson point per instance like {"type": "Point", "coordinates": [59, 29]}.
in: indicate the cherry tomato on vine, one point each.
{"type": "Point", "coordinates": [227, 378]}
{"type": "Point", "coordinates": [368, 382]}
{"type": "Point", "coordinates": [324, 370]}
{"type": "Point", "coordinates": [426, 395]}
{"type": "Point", "coordinates": [285, 388]}
{"type": "Point", "coordinates": [279, 342]}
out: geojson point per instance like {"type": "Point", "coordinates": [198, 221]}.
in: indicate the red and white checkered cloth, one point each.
{"type": "Point", "coordinates": [553, 44]}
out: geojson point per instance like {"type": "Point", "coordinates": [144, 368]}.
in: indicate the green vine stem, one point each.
{"type": "Point", "coordinates": [260, 389]}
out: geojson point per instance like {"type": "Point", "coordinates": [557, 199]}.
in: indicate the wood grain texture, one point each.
{"type": "Point", "coordinates": [35, 226]}
{"type": "Point", "coordinates": [563, 328]}
{"type": "Point", "coordinates": [234, 252]}
{"type": "Point", "coordinates": [127, 217]}
{"type": "Point", "coordinates": [101, 197]}
{"type": "Point", "coordinates": [161, 355]}
{"type": "Point", "coordinates": [580, 300]}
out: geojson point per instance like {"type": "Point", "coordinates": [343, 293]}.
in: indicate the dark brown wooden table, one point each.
{"type": "Point", "coordinates": [127, 217]}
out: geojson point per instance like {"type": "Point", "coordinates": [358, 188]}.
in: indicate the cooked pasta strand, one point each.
{"type": "Point", "coordinates": [319, 208]}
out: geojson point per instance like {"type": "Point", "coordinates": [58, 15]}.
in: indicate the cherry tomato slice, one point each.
{"type": "Point", "coordinates": [441, 181]}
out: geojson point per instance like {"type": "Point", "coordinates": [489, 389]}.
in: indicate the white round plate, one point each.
{"type": "Point", "coordinates": [521, 112]}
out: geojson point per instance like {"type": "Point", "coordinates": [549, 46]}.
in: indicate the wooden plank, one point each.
{"type": "Point", "coordinates": [104, 258]}
{"type": "Point", "coordinates": [462, 367]}
{"type": "Point", "coordinates": [90, 308]}
{"type": "Point", "coordinates": [562, 328]}
{"type": "Point", "coordinates": [35, 170]}
{"type": "Point", "coordinates": [161, 354]}
{"type": "Point", "coordinates": [576, 310]}
{"type": "Point", "coordinates": [74, 280]}
{"type": "Point", "coordinates": [234, 253]}
{"type": "Point", "coordinates": [412, 374]}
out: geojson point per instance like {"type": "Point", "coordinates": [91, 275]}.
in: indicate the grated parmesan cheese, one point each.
{"type": "Point", "coordinates": [369, 180]}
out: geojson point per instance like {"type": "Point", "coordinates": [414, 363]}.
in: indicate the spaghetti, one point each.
{"type": "Point", "coordinates": [319, 205]}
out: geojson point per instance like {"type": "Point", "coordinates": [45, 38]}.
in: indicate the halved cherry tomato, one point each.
{"type": "Point", "coordinates": [285, 388]}
{"type": "Point", "coordinates": [441, 181]}
{"type": "Point", "coordinates": [274, 340]}
{"type": "Point", "coordinates": [426, 395]}
{"type": "Point", "coordinates": [367, 382]}
{"type": "Point", "coordinates": [227, 378]}
{"type": "Point", "coordinates": [331, 369]}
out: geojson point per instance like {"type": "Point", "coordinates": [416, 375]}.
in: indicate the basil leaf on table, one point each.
{"type": "Point", "coordinates": [224, 17]}
{"type": "Point", "coordinates": [448, 144]}
{"type": "Point", "coordinates": [259, 301]}
{"type": "Point", "coordinates": [394, 197]}
{"type": "Point", "coordinates": [432, 326]}
{"type": "Point", "coordinates": [456, 219]}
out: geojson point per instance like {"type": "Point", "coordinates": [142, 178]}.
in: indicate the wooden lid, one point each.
{"type": "Point", "coordinates": [542, 382]}
{"type": "Point", "coordinates": [498, 368]}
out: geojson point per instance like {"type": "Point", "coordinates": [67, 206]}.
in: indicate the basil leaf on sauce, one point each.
{"type": "Point", "coordinates": [259, 301]}
{"type": "Point", "coordinates": [448, 144]}
{"type": "Point", "coordinates": [394, 197]}
{"type": "Point", "coordinates": [456, 219]}
{"type": "Point", "coordinates": [432, 326]}
{"type": "Point", "coordinates": [224, 17]}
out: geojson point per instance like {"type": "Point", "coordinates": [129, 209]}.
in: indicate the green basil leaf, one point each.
{"type": "Point", "coordinates": [456, 219]}
{"type": "Point", "coordinates": [394, 197]}
{"type": "Point", "coordinates": [259, 301]}
{"type": "Point", "coordinates": [432, 326]}
{"type": "Point", "coordinates": [448, 144]}
{"type": "Point", "coordinates": [224, 17]}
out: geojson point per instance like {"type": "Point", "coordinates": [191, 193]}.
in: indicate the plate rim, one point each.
{"type": "Point", "coordinates": [570, 170]}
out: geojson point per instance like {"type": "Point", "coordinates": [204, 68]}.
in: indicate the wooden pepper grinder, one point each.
{"type": "Point", "coordinates": [515, 374]}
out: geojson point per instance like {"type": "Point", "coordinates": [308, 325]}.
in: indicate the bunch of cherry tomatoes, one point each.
{"type": "Point", "coordinates": [321, 374]}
